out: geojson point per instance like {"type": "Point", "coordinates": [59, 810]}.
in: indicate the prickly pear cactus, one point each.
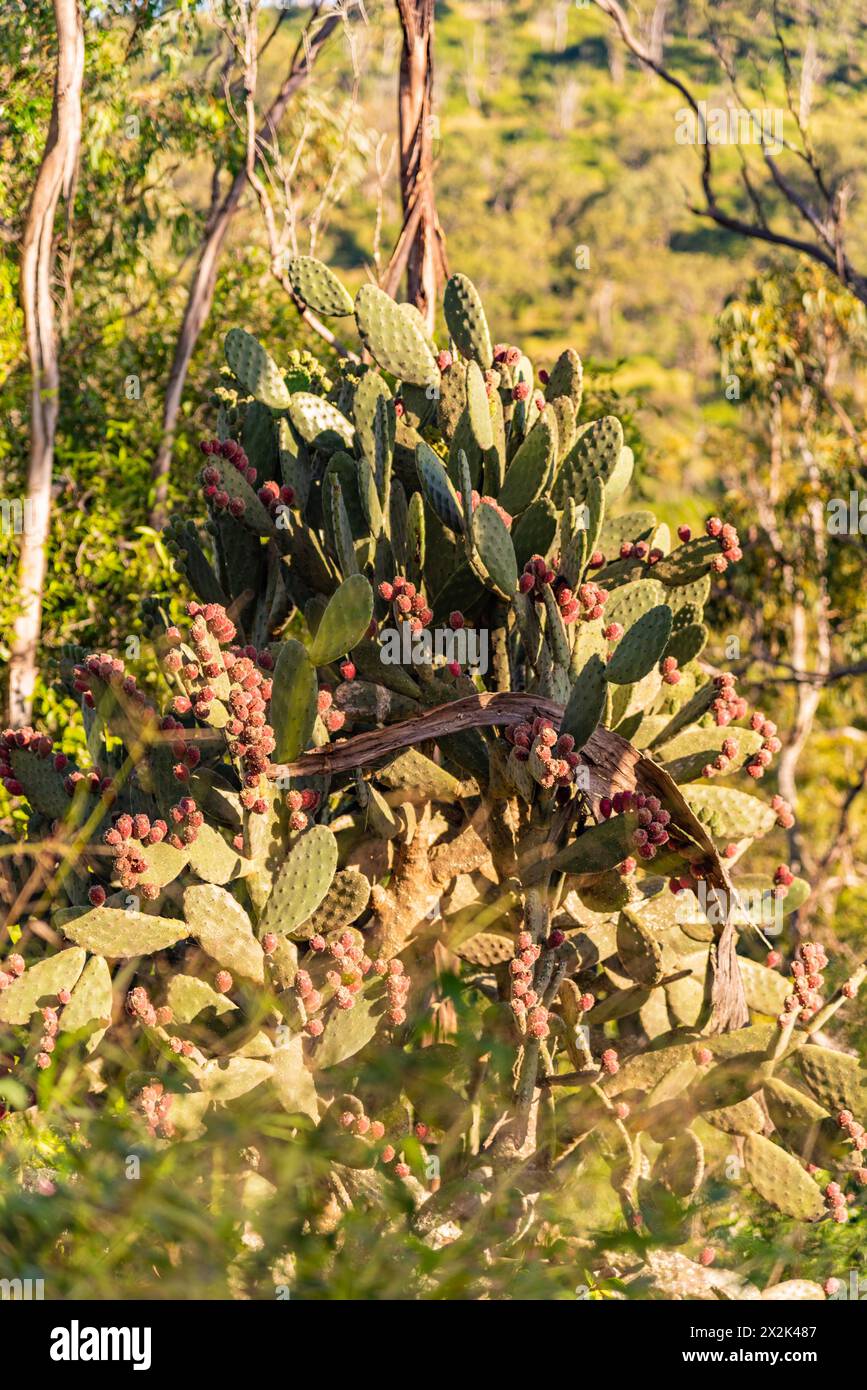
{"type": "Point", "coordinates": [439, 706]}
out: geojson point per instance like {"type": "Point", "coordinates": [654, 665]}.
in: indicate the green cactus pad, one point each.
{"type": "Point", "coordinates": [187, 996]}
{"type": "Point", "coordinates": [344, 622]}
{"type": "Point", "coordinates": [369, 390]}
{"type": "Point", "coordinates": [780, 1179]}
{"type": "Point", "coordinates": [644, 1070]}
{"type": "Point", "coordinates": [40, 985]}
{"type": "Point", "coordinates": [339, 524]}
{"type": "Point", "coordinates": [689, 713]}
{"type": "Point", "coordinates": [478, 411]}
{"type": "Point", "coordinates": [528, 472]}
{"type": "Point", "coordinates": [384, 430]}
{"type": "Point", "coordinates": [588, 642]}
{"type": "Point", "coordinates": [729, 814]}
{"type": "Point", "coordinates": [42, 783]}
{"type": "Point", "coordinates": [494, 556]}
{"type": "Point", "coordinates": [794, 897]}
{"type": "Point", "coordinates": [620, 476]}
{"type": "Point", "coordinates": [621, 1003]}
{"type": "Point", "coordinates": [164, 863]}
{"type": "Point", "coordinates": [394, 339]}
{"type": "Point", "coordinates": [564, 419]}
{"type": "Point", "coordinates": [805, 1128]}
{"type": "Point", "coordinates": [534, 532]}
{"type": "Point", "coordinates": [369, 496]}
{"type": "Point", "coordinates": [746, 1117]}
{"type": "Point", "coordinates": [731, 1080]}
{"type": "Point", "coordinates": [595, 455]}
{"type": "Point", "coordinates": [687, 563]}
{"type": "Point", "coordinates": [342, 905]}
{"type": "Point", "coordinates": [679, 1165]}
{"type": "Point", "coordinates": [641, 647]}
{"type": "Point", "coordinates": [689, 752]}
{"type": "Point", "coordinates": [687, 642]}
{"type": "Point", "coordinates": [639, 951]}
{"type": "Point", "coordinates": [213, 859]}
{"type": "Point", "coordinates": [631, 601]}
{"type": "Point", "coordinates": [466, 322]}
{"type": "Point", "coordinates": [692, 596]}
{"type": "Point", "coordinates": [223, 929]}
{"type": "Point", "coordinates": [294, 694]}
{"type": "Point", "coordinates": [598, 848]}
{"type": "Point", "coordinates": [487, 948]}
{"type": "Point", "coordinates": [255, 518]}
{"type": "Point", "coordinates": [91, 1003]}
{"type": "Point", "coordinates": [319, 287]}
{"type": "Point", "coordinates": [586, 702]}
{"type": "Point", "coordinates": [319, 423]}
{"type": "Point", "coordinates": [556, 635]}
{"type": "Point", "coordinates": [348, 1031]}
{"type": "Point", "coordinates": [225, 1081]}
{"type": "Point", "coordinates": [183, 543]}
{"type": "Point", "coordinates": [616, 530]}
{"type": "Point", "coordinates": [303, 881]}
{"type": "Point", "coordinates": [257, 372]}
{"type": "Point", "coordinates": [293, 1082]}
{"type": "Point", "coordinates": [766, 990]}
{"type": "Point", "coordinates": [412, 771]}
{"type": "Point", "coordinates": [119, 934]}
{"type": "Point", "coordinates": [566, 379]}
{"type": "Point", "coordinates": [835, 1079]}
{"type": "Point", "coordinates": [594, 506]}
{"type": "Point", "coordinates": [795, 1291]}
{"type": "Point", "coordinates": [453, 398]}
{"type": "Point", "coordinates": [416, 535]}
{"type": "Point", "coordinates": [438, 490]}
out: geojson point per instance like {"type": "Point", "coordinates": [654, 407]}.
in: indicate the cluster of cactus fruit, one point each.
{"type": "Point", "coordinates": [278, 861]}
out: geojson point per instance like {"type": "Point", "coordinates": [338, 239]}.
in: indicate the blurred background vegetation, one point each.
{"type": "Point", "coordinates": [565, 195]}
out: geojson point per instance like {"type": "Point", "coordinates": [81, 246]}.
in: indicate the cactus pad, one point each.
{"type": "Point", "coordinates": [319, 287]}
{"type": "Point", "coordinates": [394, 339]}
{"type": "Point", "coordinates": [342, 905]}
{"type": "Point", "coordinates": [641, 647]}
{"type": "Point", "coordinates": [318, 422]}
{"type": "Point", "coordinates": [118, 934]}
{"type": "Point", "coordinates": [344, 622]}
{"type": "Point", "coordinates": [466, 322]}
{"type": "Point", "coordinates": [257, 372]}
{"type": "Point", "coordinates": [780, 1179]}
{"type": "Point", "coordinates": [223, 929]}
{"type": "Point", "coordinates": [41, 985]}
{"type": "Point", "coordinates": [303, 881]}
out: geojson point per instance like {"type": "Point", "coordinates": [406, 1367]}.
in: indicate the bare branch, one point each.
{"type": "Point", "coordinates": [829, 249]}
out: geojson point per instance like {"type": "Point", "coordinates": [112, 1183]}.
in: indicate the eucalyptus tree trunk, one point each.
{"type": "Point", "coordinates": [56, 176]}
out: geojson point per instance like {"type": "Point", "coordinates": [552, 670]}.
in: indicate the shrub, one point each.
{"type": "Point", "coordinates": [434, 840]}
